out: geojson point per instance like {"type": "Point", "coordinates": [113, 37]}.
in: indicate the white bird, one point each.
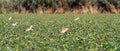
{"type": "Point", "coordinates": [76, 19]}
{"type": "Point", "coordinates": [63, 30]}
{"type": "Point", "coordinates": [30, 28]}
{"type": "Point", "coordinates": [10, 18]}
{"type": "Point", "coordinates": [14, 24]}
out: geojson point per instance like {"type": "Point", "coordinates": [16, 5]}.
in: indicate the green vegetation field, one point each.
{"type": "Point", "coordinates": [91, 32]}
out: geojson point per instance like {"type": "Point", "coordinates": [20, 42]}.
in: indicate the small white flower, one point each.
{"type": "Point", "coordinates": [76, 19]}
{"type": "Point", "coordinates": [14, 24]}
{"type": "Point", "coordinates": [63, 30]}
{"type": "Point", "coordinates": [10, 18]}
{"type": "Point", "coordinates": [28, 29]}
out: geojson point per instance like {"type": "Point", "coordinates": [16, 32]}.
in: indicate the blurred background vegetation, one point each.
{"type": "Point", "coordinates": [60, 6]}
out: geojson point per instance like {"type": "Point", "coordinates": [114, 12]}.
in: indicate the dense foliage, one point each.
{"type": "Point", "coordinates": [102, 6]}
{"type": "Point", "coordinates": [97, 32]}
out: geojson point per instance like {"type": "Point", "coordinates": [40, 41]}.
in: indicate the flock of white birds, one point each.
{"type": "Point", "coordinates": [63, 30]}
{"type": "Point", "coordinates": [15, 24]}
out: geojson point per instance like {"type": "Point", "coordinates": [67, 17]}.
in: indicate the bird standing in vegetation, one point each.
{"type": "Point", "coordinates": [10, 18]}
{"type": "Point", "coordinates": [14, 24]}
{"type": "Point", "coordinates": [76, 19]}
{"type": "Point", "coordinates": [63, 30]}
{"type": "Point", "coordinates": [30, 28]}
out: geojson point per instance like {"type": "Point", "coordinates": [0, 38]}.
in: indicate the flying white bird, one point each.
{"type": "Point", "coordinates": [14, 24]}
{"type": "Point", "coordinates": [63, 30]}
{"type": "Point", "coordinates": [28, 29]}
{"type": "Point", "coordinates": [10, 18]}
